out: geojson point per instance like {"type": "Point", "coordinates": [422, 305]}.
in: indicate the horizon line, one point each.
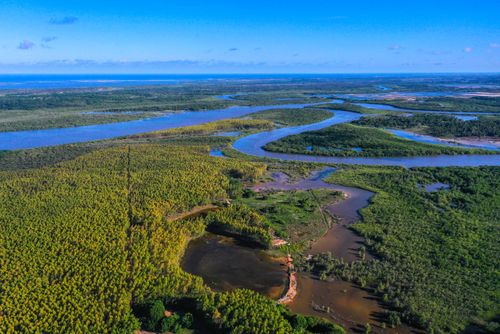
{"type": "Point", "coordinates": [249, 73]}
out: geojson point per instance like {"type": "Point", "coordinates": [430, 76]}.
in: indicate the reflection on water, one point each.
{"type": "Point", "coordinates": [466, 118]}
{"type": "Point", "coordinates": [433, 187]}
{"type": "Point", "coordinates": [111, 112]}
{"type": "Point", "coordinates": [229, 97]}
{"type": "Point", "coordinates": [39, 138]}
{"type": "Point", "coordinates": [342, 302]}
{"type": "Point", "coordinates": [392, 108]}
{"type": "Point", "coordinates": [287, 98]}
{"type": "Point", "coordinates": [438, 141]}
{"type": "Point", "coordinates": [224, 264]}
{"type": "Point", "coordinates": [384, 88]}
{"type": "Point", "coordinates": [217, 153]}
{"type": "Point", "coordinates": [252, 145]}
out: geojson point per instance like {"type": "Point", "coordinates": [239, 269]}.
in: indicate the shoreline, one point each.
{"type": "Point", "coordinates": [291, 290]}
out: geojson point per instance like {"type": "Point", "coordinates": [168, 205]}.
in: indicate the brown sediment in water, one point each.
{"type": "Point", "coordinates": [339, 301]}
{"type": "Point", "coordinates": [324, 298]}
{"type": "Point", "coordinates": [341, 242]}
{"type": "Point", "coordinates": [226, 264]}
{"type": "Point", "coordinates": [343, 303]}
{"type": "Point", "coordinates": [339, 239]}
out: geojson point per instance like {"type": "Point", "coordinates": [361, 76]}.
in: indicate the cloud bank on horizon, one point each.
{"type": "Point", "coordinates": [257, 37]}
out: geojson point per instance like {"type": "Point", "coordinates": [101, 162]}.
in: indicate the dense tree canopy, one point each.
{"type": "Point", "coordinates": [82, 239]}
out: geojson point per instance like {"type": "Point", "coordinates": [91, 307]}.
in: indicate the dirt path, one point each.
{"type": "Point", "coordinates": [197, 210]}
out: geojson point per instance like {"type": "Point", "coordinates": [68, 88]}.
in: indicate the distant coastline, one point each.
{"type": "Point", "coordinates": [73, 81]}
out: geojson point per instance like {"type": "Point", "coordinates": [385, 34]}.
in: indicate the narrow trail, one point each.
{"type": "Point", "coordinates": [197, 210]}
{"type": "Point", "coordinates": [129, 189]}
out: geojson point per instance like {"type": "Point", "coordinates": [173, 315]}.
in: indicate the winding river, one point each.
{"type": "Point", "coordinates": [251, 144]}
{"type": "Point", "coordinates": [349, 305]}
{"type": "Point", "coordinates": [345, 303]}
{"type": "Point", "coordinates": [244, 266]}
{"type": "Point", "coordinates": [16, 140]}
{"type": "Point", "coordinates": [387, 107]}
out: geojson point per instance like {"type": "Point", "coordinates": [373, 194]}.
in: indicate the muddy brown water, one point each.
{"type": "Point", "coordinates": [339, 240]}
{"type": "Point", "coordinates": [343, 303]}
{"type": "Point", "coordinates": [346, 303]}
{"type": "Point", "coordinates": [225, 264]}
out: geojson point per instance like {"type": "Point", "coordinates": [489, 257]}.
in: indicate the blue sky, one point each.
{"type": "Point", "coordinates": [249, 36]}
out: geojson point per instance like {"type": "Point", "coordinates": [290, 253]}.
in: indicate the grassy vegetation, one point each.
{"type": "Point", "coordinates": [292, 117]}
{"type": "Point", "coordinates": [52, 109]}
{"type": "Point", "coordinates": [351, 107]}
{"type": "Point", "coordinates": [295, 216]}
{"type": "Point", "coordinates": [42, 119]}
{"type": "Point", "coordinates": [438, 125]}
{"type": "Point", "coordinates": [347, 140]}
{"type": "Point", "coordinates": [161, 98]}
{"type": "Point", "coordinates": [437, 252]}
{"type": "Point", "coordinates": [192, 135]}
{"type": "Point", "coordinates": [291, 95]}
{"type": "Point", "coordinates": [62, 108]}
{"type": "Point", "coordinates": [212, 128]}
{"type": "Point", "coordinates": [474, 104]}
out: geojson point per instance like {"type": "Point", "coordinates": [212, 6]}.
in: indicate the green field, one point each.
{"type": "Point", "coordinates": [291, 117]}
{"type": "Point", "coordinates": [294, 215]}
{"type": "Point", "coordinates": [346, 106]}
